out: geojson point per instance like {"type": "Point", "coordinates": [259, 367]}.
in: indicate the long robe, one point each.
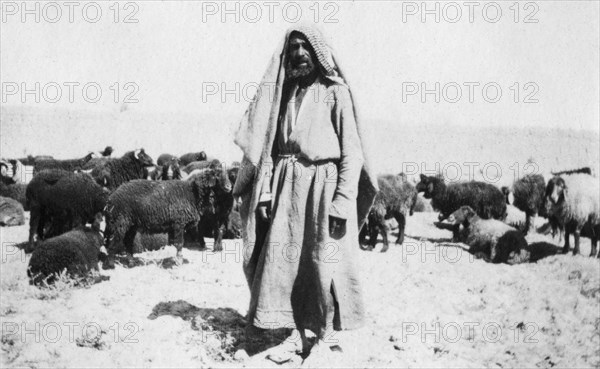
{"type": "Point", "coordinates": [303, 275]}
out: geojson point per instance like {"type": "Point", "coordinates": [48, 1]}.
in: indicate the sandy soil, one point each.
{"type": "Point", "coordinates": [428, 306]}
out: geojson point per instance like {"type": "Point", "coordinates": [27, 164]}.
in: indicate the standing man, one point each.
{"type": "Point", "coordinates": [306, 188]}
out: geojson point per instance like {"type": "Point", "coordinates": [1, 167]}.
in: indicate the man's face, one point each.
{"type": "Point", "coordinates": [301, 61]}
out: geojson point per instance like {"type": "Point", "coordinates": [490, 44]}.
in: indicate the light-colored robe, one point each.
{"type": "Point", "coordinates": [302, 275]}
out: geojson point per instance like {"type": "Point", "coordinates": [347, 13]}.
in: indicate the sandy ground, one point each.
{"type": "Point", "coordinates": [428, 306]}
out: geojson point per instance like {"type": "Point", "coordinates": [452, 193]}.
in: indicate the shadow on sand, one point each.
{"type": "Point", "coordinates": [541, 250]}
{"type": "Point", "coordinates": [226, 324]}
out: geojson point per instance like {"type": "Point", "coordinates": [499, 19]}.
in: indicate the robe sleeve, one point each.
{"type": "Point", "coordinates": [351, 158]}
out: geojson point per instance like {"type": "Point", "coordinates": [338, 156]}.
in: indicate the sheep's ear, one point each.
{"type": "Point", "coordinates": [511, 198]}
{"type": "Point", "coordinates": [430, 187]}
{"type": "Point", "coordinates": [423, 177]}
{"type": "Point", "coordinates": [137, 153]}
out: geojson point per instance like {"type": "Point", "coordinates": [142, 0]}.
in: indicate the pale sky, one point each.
{"type": "Point", "coordinates": [172, 52]}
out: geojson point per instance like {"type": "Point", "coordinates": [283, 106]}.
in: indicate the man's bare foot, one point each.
{"type": "Point", "coordinates": [322, 354]}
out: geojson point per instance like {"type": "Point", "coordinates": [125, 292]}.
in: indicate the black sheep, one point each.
{"type": "Point", "coordinates": [165, 158]}
{"type": "Point", "coordinates": [17, 174]}
{"type": "Point", "coordinates": [95, 162]}
{"type": "Point", "coordinates": [108, 150]}
{"type": "Point", "coordinates": [30, 159]}
{"type": "Point", "coordinates": [528, 196]}
{"type": "Point", "coordinates": [376, 223]}
{"type": "Point", "coordinates": [200, 165]}
{"type": "Point", "coordinates": [68, 165]}
{"type": "Point", "coordinates": [66, 199]}
{"type": "Point", "coordinates": [486, 199]}
{"type": "Point", "coordinates": [396, 199]}
{"type": "Point", "coordinates": [11, 212]}
{"type": "Point", "coordinates": [77, 251]}
{"type": "Point", "coordinates": [490, 239]}
{"type": "Point", "coordinates": [15, 191]}
{"type": "Point", "coordinates": [167, 171]}
{"type": "Point", "coordinates": [115, 172]}
{"type": "Point", "coordinates": [11, 186]}
{"type": "Point", "coordinates": [185, 159]}
{"type": "Point", "coordinates": [162, 207]}
{"type": "Point", "coordinates": [233, 230]}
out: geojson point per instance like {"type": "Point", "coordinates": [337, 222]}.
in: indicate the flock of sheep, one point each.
{"type": "Point", "coordinates": [181, 200]}
{"type": "Point", "coordinates": [476, 212]}
{"type": "Point", "coordinates": [144, 206]}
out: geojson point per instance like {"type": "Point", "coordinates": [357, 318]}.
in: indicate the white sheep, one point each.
{"type": "Point", "coordinates": [574, 200]}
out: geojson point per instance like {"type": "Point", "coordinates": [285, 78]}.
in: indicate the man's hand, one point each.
{"type": "Point", "coordinates": [337, 227]}
{"type": "Point", "coordinates": [264, 211]}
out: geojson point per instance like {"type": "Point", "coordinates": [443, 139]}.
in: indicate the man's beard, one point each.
{"type": "Point", "coordinates": [299, 72]}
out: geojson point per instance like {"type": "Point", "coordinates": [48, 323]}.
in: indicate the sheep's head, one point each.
{"type": "Point", "coordinates": [170, 170]}
{"type": "Point", "coordinates": [88, 157]}
{"type": "Point", "coordinates": [200, 156]}
{"type": "Point", "coordinates": [107, 151]}
{"type": "Point", "coordinates": [462, 215]}
{"type": "Point", "coordinates": [210, 185]}
{"type": "Point", "coordinates": [232, 174]}
{"type": "Point", "coordinates": [144, 159]}
{"type": "Point", "coordinates": [555, 190]}
{"type": "Point", "coordinates": [428, 185]}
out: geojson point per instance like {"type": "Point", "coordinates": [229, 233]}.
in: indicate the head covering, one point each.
{"type": "Point", "coordinates": [256, 132]}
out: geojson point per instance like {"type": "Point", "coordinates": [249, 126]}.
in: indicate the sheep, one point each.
{"type": "Point", "coordinates": [159, 207]}
{"type": "Point", "coordinates": [95, 162]}
{"type": "Point", "coordinates": [30, 159]}
{"type": "Point", "coordinates": [16, 192]}
{"type": "Point", "coordinates": [77, 251]}
{"type": "Point", "coordinates": [491, 239]}
{"type": "Point", "coordinates": [574, 200]}
{"type": "Point", "coordinates": [69, 165]}
{"type": "Point", "coordinates": [67, 199]}
{"type": "Point", "coordinates": [376, 223]}
{"type": "Point", "coordinates": [11, 186]}
{"type": "Point", "coordinates": [185, 159]}
{"type": "Point", "coordinates": [200, 165]}
{"type": "Point", "coordinates": [16, 168]}
{"type": "Point", "coordinates": [396, 199]}
{"type": "Point", "coordinates": [215, 225]}
{"type": "Point", "coordinates": [108, 150]}
{"type": "Point", "coordinates": [487, 200]}
{"type": "Point", "coordinates": [167, 171]}
{"type": "Point", "coordinates": [11, 212]}
{"type": "Point", "coordinates": [115, 172]}
{"type": "Point", "coordinates": [233, 230]}
{"type": "Point", "coordinates": [528, 196]}
{"type": "Point", "coordinates": [165, 158]}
